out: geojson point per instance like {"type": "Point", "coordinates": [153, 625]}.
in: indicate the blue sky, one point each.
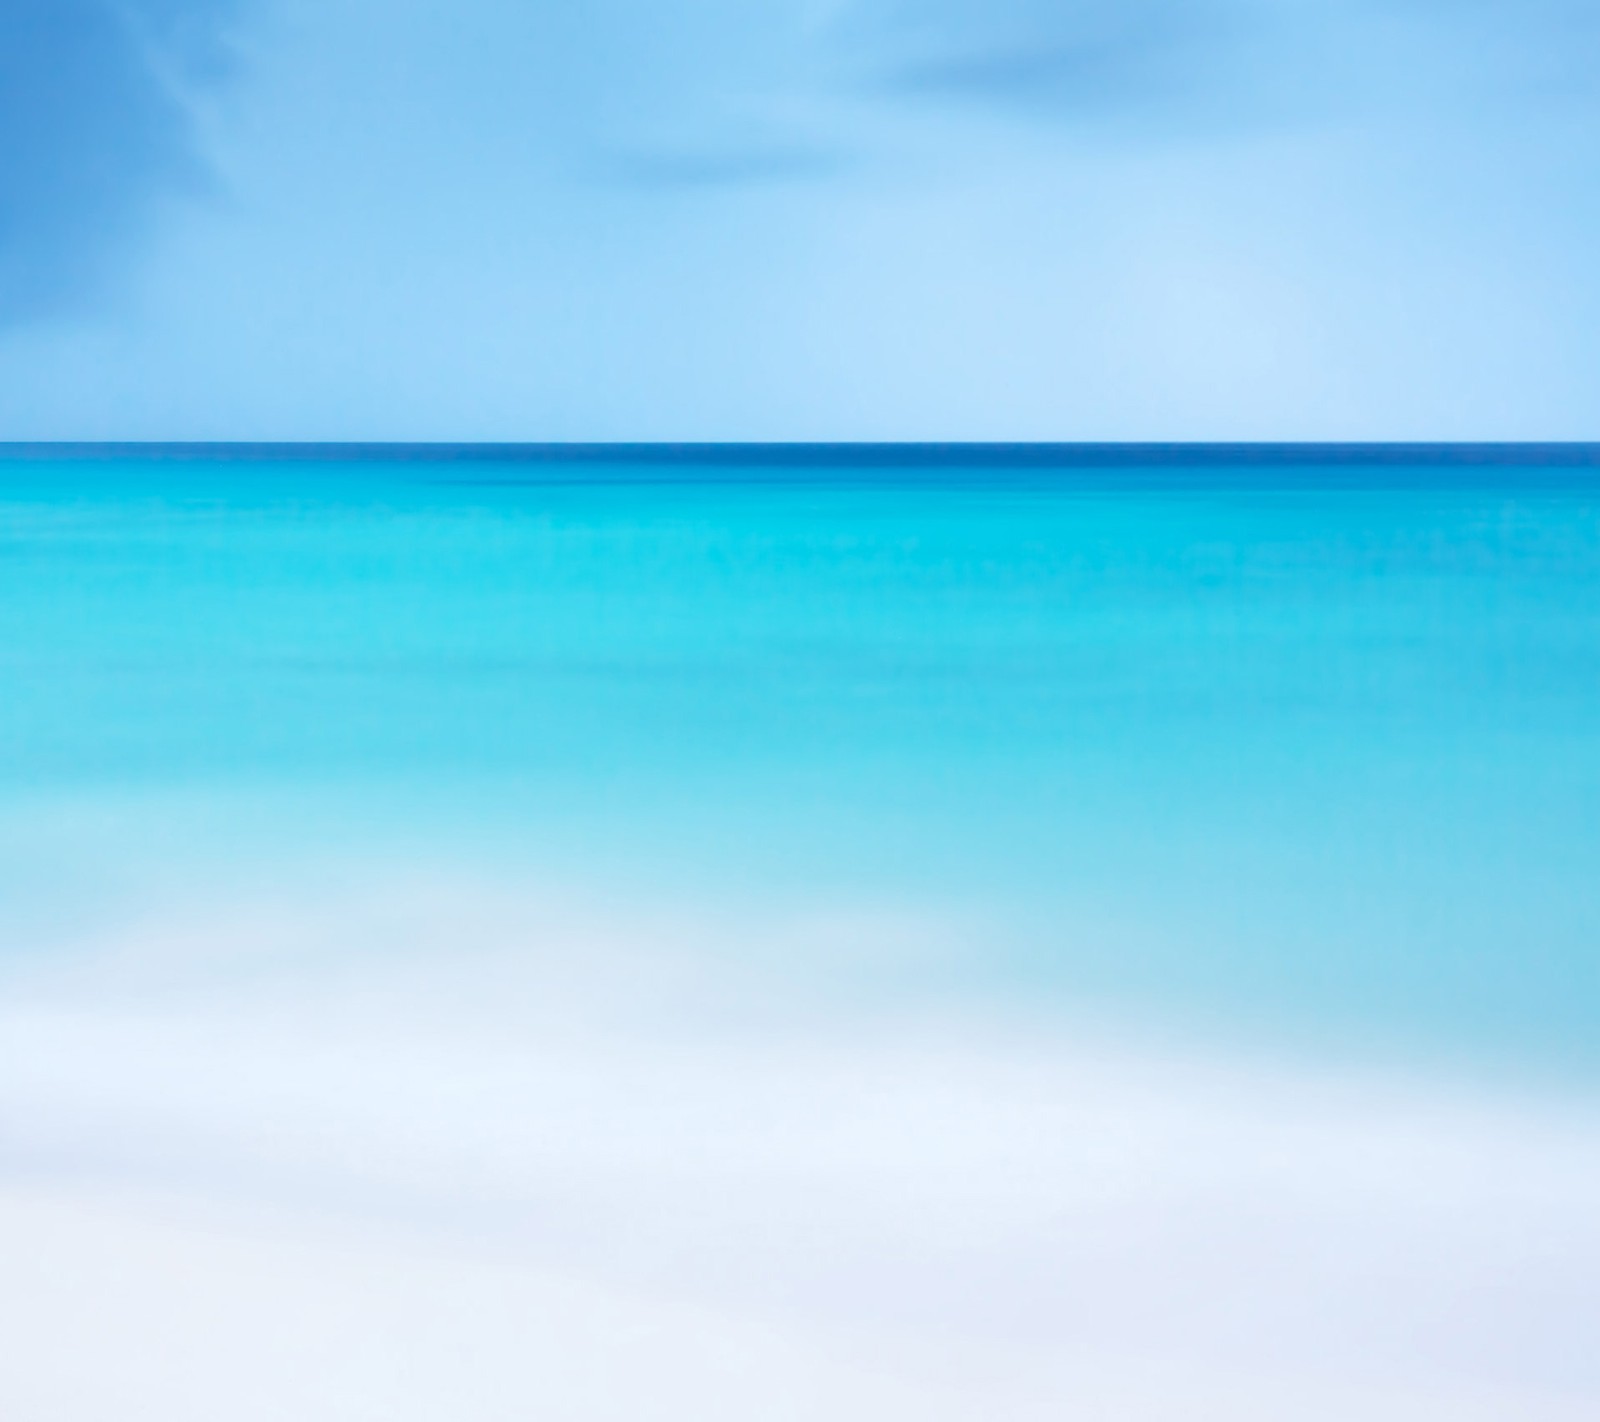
{"type": "Point", "coordinates": [754, 219]}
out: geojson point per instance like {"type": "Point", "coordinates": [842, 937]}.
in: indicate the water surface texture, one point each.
{"type": "Point", "coordinates": [834, 933]}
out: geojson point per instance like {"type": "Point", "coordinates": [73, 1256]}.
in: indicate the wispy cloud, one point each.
{"type": "Point", "coordinates": [1098, 58]}
{"type": "Point", "coordinates": [93, 128]}
{"type": "Point", "coordinates": [1063, 58]}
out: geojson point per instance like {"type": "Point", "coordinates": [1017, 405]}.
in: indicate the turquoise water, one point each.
{"type": "Point", "coordinates": [1287, 751]}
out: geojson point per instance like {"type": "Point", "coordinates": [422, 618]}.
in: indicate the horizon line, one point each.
{"type": "Point", "coordinates": [1037, 453]}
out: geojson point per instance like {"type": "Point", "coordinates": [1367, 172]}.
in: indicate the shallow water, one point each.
{"type": "Point", "coordinates": [1328, 736]}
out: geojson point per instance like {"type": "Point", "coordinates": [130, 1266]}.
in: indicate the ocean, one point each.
{"type": "Point", "coordinates": [800, 931]}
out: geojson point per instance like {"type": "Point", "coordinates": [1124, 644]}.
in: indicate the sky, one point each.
{"type": "Point", "coordinates": [798, 219]}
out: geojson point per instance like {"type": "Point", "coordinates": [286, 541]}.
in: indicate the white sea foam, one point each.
{"type": "Point", "coordinates": [406, 1145]}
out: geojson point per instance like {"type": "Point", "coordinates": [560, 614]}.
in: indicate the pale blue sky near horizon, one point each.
{"type": "Point", "coordinates": [799, 219]}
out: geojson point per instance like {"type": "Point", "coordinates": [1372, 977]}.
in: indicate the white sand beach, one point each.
{"type": "Point", "coordinates": [483, 1177]}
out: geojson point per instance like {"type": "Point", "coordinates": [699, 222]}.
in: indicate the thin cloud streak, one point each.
{"type": "Point", "coordinates": [93, 129]}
